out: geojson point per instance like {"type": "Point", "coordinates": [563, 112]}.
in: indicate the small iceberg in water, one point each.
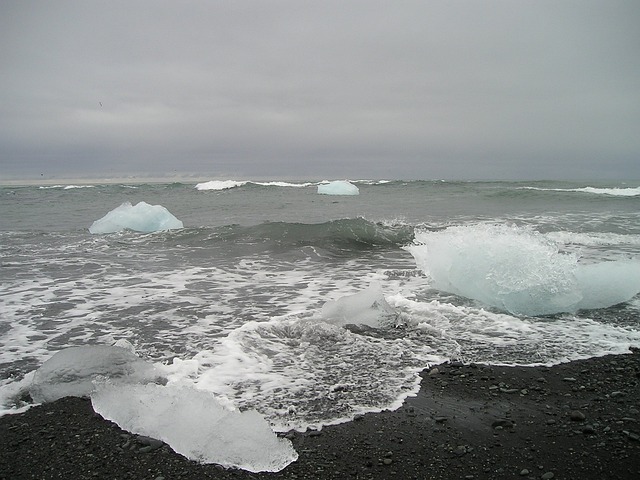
{"type": "Point", "coordinates": [368, 307]}
{"type": "Point", "coordinates": [141, 218]}
{"type": "Point", "coordinates": [520, 271]}
{"type": "Point", "coordinates": [338, 187]}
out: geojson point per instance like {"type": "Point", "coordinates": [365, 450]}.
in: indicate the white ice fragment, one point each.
{"type": "Point", "coordinates": [71, 372]}
{"type": "Point", "coordinates": [195, 425]}
{"type": "Point", "coordinates": [13, 393]}
{"type": "Point", "coordinates": [368, 307]}
{"type": "Point", "coordinates": [338, 187]}
{"type": "Point", "coordinates": [126, 344]}
{"type": "Point", "coordinates": [141, 218]}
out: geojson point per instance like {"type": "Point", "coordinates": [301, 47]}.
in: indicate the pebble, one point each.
{"type": "Point", "coordinates": [151, 443]}
{"type": "Point", "coordinates": [508, 390]}
{"type": "Point", "coordinates": [577, 416]}
{"type": "Point", "coordinates": [524, 472]}
{"type": "Point", "coordinates": [503, 423]}
{"type": "Point", "coordinates": [460, 450]}
{"type": "Point", "coordinates": [547, 476]}
{"type": "Point", "coordinates": [588, 430]}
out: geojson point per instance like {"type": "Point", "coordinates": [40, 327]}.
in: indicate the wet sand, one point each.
{"type": "Point", "coordinates": [579, 420]}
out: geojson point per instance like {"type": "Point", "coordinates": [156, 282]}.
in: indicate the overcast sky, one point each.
{"type": "Point", "coordinates": [477, 89]}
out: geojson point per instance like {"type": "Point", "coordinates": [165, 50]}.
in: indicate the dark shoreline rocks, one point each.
{"type": "Point", "coordinates": [579, 420]}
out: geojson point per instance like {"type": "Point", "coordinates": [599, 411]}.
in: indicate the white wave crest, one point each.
{"type": "Point", "coordinates": [220, 184]}
{"type": "Point", "coordinates": [616, 192]}
{"type": "Point", "coordinates": [227, 184]}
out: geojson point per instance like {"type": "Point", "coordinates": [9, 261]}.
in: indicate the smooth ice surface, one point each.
{"type": "Point", "coordinates": [71, 372]}
{"type": "Point", "coordinates": [338, 187]}
{"type": "Point", "coordinates": [520, 271]}
{"type": "Point", "coordinates": [195, 425]}
{"type": "Point", "coordinates": [142, 218]}
{"type": "Point", "coordinates": [368, 307]}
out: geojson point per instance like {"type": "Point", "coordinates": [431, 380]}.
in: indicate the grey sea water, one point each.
{"type": "Point", "coordinates": [313, 308]}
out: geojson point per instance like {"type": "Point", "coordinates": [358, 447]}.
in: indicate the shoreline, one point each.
{"type": "Point", "coordinates": [577, 420]}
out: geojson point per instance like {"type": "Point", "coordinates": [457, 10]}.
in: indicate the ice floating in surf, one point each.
{"type": "Point", "coordinates": [141, 218]}
{"type": "Point", "coordinates": [72, 371]}
{"type": "Point", "coordinates": [520, 271]}
{"type": "Point", "coordinates": [195, 425]}
{"type": "Point", "coordinates": [368, 307]}
{"type": "Point", "coordinates": [338, 187]}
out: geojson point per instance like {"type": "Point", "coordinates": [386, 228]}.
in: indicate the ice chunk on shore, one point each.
{"type": "Point", "coordinates": [368, 307]}
{"type": "Point", "coordinates": [71, 372]}
{"type": "Point", "coordinates": [338, 187]}
{"type": "Point", "coordinates": [520, 271]}
{"type": "Point", "coordinates": [141, 218]}
{"type": "Point", "coordinates": [195, 425]}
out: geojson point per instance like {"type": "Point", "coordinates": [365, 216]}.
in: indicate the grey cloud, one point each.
{"type": "Point", "coordinates": [436, 89]}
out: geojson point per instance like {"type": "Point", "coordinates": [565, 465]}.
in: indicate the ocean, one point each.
{"type": "Point", "coordinates": [312, 309]}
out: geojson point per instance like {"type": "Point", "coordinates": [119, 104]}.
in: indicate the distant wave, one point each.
{"type": "Point", "coordinates": [616, 192]}
{"type": "Point", "coordinates": [228, 184]}
{"type": "Point", "coordinates": [65, 187]}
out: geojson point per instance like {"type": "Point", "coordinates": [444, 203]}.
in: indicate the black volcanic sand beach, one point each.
{"type": "Point", "coordinates": [579, 420]}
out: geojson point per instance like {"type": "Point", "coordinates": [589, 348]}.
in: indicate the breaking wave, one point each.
{"type": "Point", "coordinates": [616, 192]}
{"type": "Point", "coordinates": [228, 184]}
{"type": "Point", "coordinates": [343, 235]}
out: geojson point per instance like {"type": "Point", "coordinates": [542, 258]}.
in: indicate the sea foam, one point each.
{"type": "Point", "coordinates": [520, 271]}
